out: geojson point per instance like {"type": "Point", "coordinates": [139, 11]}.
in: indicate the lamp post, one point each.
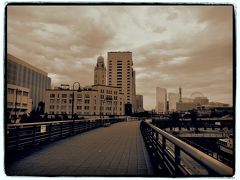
{"type": "Point", "coordinates": [79, 90]}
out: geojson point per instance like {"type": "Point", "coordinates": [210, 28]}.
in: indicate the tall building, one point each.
{"type": "Point", "coordinates": [134, 100]}
{"type": "Point", "coordinates": [24, 75]}
{"type": "Point", "coordinates": [173, 98]}
{"type": "Point", "coordinates": [120, 74]}
{"type": "Point", "coordinates": [161, 100]}
{"type": "Point", "coordinates": [100, 72]}
{"type": "Point", "coordinates": [139, 103]}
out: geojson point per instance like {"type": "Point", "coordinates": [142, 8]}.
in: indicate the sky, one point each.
{"type": "Point", "coordinates": [172, 46]}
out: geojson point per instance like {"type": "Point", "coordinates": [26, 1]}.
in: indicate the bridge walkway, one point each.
{"type": "Point", "coordinates": [117, 150]}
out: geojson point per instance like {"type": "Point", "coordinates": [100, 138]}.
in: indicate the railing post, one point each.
{"type": "Point", "coordinates": [49, 132]}
{"type": "Point", "coordinates": [163, 147]}
{"type": "Point", "coordinates": [61, 126]}
{"type": "Point", "coordinates": [73, 127]}
{"type": "Point", "coordinates": [34, 134]}
{"type": "Point", "coordinates": [177, 159]}
{"type": "Point", "coordinates": [17, 138]}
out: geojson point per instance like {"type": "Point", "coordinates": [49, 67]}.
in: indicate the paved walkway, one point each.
{"type": "Point", "coordinates": [117, 150]}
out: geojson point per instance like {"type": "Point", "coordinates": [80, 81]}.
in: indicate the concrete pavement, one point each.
{"type": "Point", "coordinates": [117, 150]}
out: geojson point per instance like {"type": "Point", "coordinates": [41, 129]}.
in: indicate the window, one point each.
{"type": "Point", "coordinates": [10, 103]}
{"type": "Point", "coordinates": [79, 107]}
{"type": "Point", "coordinates": [10, 91]}
{"type": "Point", "coordinates": [86, 107]}
{"type": "Point", "coordinates": [102, 96]}
{"type": "Point", "coordinates": [71, 95]}
{"type": "Point", "coordinates": [64, 95]}
{"type": "Point", "coordinates": [51, 106]}
{"type": "Point", "coordinates": [87, 101]}
{"type": "Point", "coordinates": [64, 101]}
{"type": "Point", "coordinates": [63, 107]}
{"type": "Point", "coordinates": [25, 93]}
{"type": "Point", "coordinates": [79, 96]}
{"type": "Point", "coordinates": [52, 95]}
{"type": "Point", "coordinates": [52, 101]}
{"type": "Point", "coordinates": [19, 93]}
{"type": "Point", "coordinates": [79, 101]}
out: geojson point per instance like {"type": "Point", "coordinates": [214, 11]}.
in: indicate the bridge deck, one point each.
{"type": "Point", "coordinates": [117, 150]}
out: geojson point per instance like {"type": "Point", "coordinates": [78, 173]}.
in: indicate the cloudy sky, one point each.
{"type": "Point", "coordinates": [187, 46]}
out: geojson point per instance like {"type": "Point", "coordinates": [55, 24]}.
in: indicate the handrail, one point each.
{"type": "Point", "coordinates": [196, 154]}
{"type": "Point", "coordinates": [46, 122]}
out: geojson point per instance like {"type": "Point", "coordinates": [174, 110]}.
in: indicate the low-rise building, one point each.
{"type": "Point", "coordinates": [18, 100]}
{"type": "Point", "coordinates": [92, 100]}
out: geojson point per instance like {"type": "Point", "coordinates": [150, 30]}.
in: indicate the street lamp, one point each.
{"type": "Point", "coordinates": [79, 90]}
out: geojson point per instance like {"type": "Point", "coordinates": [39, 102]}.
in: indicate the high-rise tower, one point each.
{"type": "Point", "coordinates": [120, 74]}
{"type": "Point", "coordinates": [161, 99]}
{"type": "Point", "coordinates": [100, 72]}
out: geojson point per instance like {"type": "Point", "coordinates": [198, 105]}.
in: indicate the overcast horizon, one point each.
{"type": "Point", "coordinates": [172, 46]}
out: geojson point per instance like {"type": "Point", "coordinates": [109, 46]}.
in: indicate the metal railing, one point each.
{"type": "Point", "coordinates": [24, 135]}
{"type": "Point", "coordinates": [172, 155]}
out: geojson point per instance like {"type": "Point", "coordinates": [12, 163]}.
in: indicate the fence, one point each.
{"type": "Point", "coordinates": [170, 154]}
{"type": "Point", "coordinates": [21, 136]}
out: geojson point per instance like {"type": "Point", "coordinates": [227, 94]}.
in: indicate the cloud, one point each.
{"type": "Point", "coordinates": [189, 46]}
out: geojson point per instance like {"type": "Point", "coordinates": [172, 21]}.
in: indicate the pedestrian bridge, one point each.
{"type": "Point", "coordinates": [117, 150]}
{"type": "Point", "coordinates": [127, 148]}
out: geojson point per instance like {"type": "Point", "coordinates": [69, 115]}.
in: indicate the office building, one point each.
{"type": "Point", "coordinates": [93, 100]}
{"type": "Point", "coordinates": [201, 101]}
{"type": "Point", "coordinates": [173, 98]}
{"type": "Point", "coordinates": [185, 106]}
{"type": "Point", "coordinates": [24, 75]}
{"type": "Point", "coordinates": [120, 74]}
{"type": "Point", "coordinates": [100, 72]}
{"type": "Point", "coordinates": [18, 101]}
{"type": "Point", "coordinates": [139, 103]}
{"type": "Point", "coordinates": [161, 100]}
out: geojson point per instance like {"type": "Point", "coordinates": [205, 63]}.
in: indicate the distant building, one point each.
{"type": "Point", "coordinates": [217, 104]}
{"type": "Point", "coordinates": [173, 98]}
{"type": "Point", "coordinates": [18, 100]}
{"type": "Point", "coordinates": [93, 100]}
{"type": "Point", "coordinates": [24, 75]}
{"type": "Point", "coordinates": [161, 100]}
{"type": "Point", "coordinates": [139, 103]}
{"type": "Point", "coordinates": [201, 101]}
{"type": "Point", "coordinates": [120, 74]}
{"type": "Point", "coordinates": [100, 72]}
{"type": "Point", "coordinates": [185, 106]}
{"type": "Point", "coordinates": [185, 99]}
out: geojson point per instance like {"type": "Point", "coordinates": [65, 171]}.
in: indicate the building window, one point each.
{"type": "Point", "coordinates": [79, 101]}
{"type": "Point", "coordinates": [64, 101]}
{"type": "Point", "coordinates": [79, 96]}
{"type": "Point", "coordinates": [10, 103]}
{"type": "Point", "coordinates": [79, 107]}
{"type": "Point", "coordinates": [10, 91]}
{"type": "Point", "coordinates": [86, 107]}
{"type": "Point", "coordinates": [52, 95]}
{"type": "Point", "coordinates": [25, 93]}
{"type": "Point", "coordinates": [18, 104]}
{"type": "Point", "coordinates": [51, 106]}
{"type": "Point", "coordinates": [64, 95]}
{"type": "Point", "coordinates": [63, 107]}
{"type": "Point", "coordinates": [87, 101]}
{"type": "Point", "coordinates": [19, 93]}
{"type": "Point", "coordinates": [87, 96]}
{"type": "Point", "coordinates": [52, 101]}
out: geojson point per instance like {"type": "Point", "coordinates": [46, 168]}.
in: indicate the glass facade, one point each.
{"type": "Point", "coordinates": [22, 74]}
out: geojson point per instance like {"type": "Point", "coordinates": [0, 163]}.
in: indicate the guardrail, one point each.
{"type": "Point", "coordinates": [172, 155]}
{"type": "Point", "coordinates": [24, 135]}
